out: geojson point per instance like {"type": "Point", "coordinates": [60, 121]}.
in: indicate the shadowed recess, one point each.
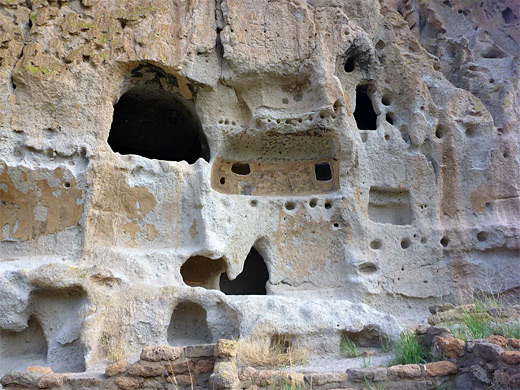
{"type": "Point", "coordinates": [251, 281]}
{"type": "Point", "coordinates": [188, 325]}
{"type": "Point", "coordinates": [154, 123]}
{"type": "Point", "coordinates": [364, 114]}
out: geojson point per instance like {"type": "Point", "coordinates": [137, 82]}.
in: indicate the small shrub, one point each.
{"type": "Point", "coordinates": [408, 350]}
{"type": "Point", "coordinates": [286, 385]}
{"type": "Point", "coordinates": [347, 347]}
{"type": "Point", "coordinates": [477, 325]}
{"type": "Point", "coordinates": [261, 354]}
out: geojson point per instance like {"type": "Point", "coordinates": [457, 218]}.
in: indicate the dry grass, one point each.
{"type": "Point", "coordinates": [278, 354]}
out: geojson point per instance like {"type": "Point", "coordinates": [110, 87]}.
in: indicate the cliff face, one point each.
{"type": "Point", "coordinates": [162, 161]}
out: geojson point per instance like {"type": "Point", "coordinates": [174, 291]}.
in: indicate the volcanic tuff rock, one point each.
{"type": "Point", "coordinates": [161, 162]}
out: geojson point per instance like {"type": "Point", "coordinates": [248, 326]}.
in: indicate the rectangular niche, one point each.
{"type": "Point", "coordinates": [277, 164]}
{"type": "Point", "coordinates": [388, 205]}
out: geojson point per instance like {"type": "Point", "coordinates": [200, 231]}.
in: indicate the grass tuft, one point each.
{"type": "Point", "coordinates": [347, 347]}
{"type": "Point", "coordinates": [260, 354]}
{"type": "Point", "coordinates": [408, 350]}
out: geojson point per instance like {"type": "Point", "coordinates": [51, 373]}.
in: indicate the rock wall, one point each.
{"type": "Point", "coordinates": [177, 172]}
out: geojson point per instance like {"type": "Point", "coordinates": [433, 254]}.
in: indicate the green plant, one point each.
{"type": "Point", "coordinates": [370, 385]}
{"type": "Point", "coordinates": [408, 349]}
{"type": "Point", "coordinates": [366, 362]}
{"type": "Point", "coordinates": [347, 347]}
{"type": "Point", "coordinates": [477, 325]}
{"type": "Point", "coordinates": [508, 330]}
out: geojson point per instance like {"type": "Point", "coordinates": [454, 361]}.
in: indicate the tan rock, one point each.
{"type": "Point", "coordinates": [405, 371]}
{"type": "Point", "coordinates": [185, 380]}
{"type": "Point", "coordinates": [205, 365]}
{"type": "Point", "coordinates": [116, 368]}
{"type": "Point", "coordinates": [455, 314]}
{"type": "Point", "coordinates": [451, 347]}
{"type": "Point", "coordinates": [497, 340]}
{"type": "Point", "coordinates": [442, 368]}
{"type": "Point", "coordinates": [180, 367]}
{"type": "Point", "coordinates": [39, 370]}
{"type": "Point", "coordinates": [510, 357]}
{"type": "Point", "coordinates": [226, 349]}
{"type": "Point", "coordinates": [126, 383]}
{"type": "Point", "coordinates": [156, 353]}
{"type": "Point", "coordinates": [50, 380]}
{"type": "Point", "coordinates": [514, 343]}
{"type": "Point", "coordinates": [146, 369]}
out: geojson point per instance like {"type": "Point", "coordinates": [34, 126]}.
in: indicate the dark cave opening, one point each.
{"type": "Point", "coordinates": [364, 114]}
{"type": "Point", "coordinates": [154, 123]}
{"type": "Point", "coordinates": [251, 281]}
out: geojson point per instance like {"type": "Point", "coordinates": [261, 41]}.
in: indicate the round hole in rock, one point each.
{"type": "Point", "coordinates": [253, 203]}
{"type": "Point", "coordinates": [252, 279]}
{"type": "Point", "coordinates": [67, 184]}
{"type": "Point", "coordinates": [323, 172]}
{"type": "Point", "coordinates": [482, 236]}
{"type": "Point", "coordinates": [313, 203]}
{"type": "Point", "coordinates": [364, 113]}
{"type": "Point", "coordinates": [445, 241]}
{"type": "Point", "coordinates": [328, 205]}
{"type": "Point", "coordinates": [376, 244]}
{"type": "Point", "coordinates": [387, 137]}
{"type": "Point", "coordinates": [290, 205]}
{"type": "Point", "coordinates": [336, 225]}
{"type": "Point", "coordinates": [405, 243]}
{"type": "Point", "coordinates": [188, 325]}
{"type": "Point", "coordinates": [439, 132]}
{"type": "Point", "coordinates": [242, 169]}
{"type": "Point", "coordinates": [380, 45]}
{"type": "Point", "coordinates": [222, 180]}
{"type": "Point", "coordinates": [424, 240]}
{"type": "Point", "coordinates": [350, 64]}
{"type": "Point", "coordinates": [155, 123]}
{"type": "Point", "coordinates": [386, 100]}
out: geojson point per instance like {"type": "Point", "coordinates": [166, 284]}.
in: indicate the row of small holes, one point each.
{"type": "Point", "coordinates": [405, 243]}
{"type": "Point", "coordinates": [312, 204]}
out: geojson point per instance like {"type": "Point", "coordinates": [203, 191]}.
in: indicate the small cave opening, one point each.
{"type": "Point", "coordinates": [251, 281]}
{"type": "Point", "coordinates": [242, 169]}
{"type": "Point", "coordinates": [28, 345]}
{"type": "Point", "coordinates": [188, 325]}
{"type": "Point", "coordinates": [200, 271]}
{"type": "Point", "coordinates": [156, 123]}
{"type": "Point", "coordinates": [364, 114]}
{"type": "Point", "coordinates": [367, 337]}
{"type": "Point", "coordinates": [509, 16]}
{"type": "Point", "coordinates": [350, 64]}
{"type": "Point", "coordinates": [61, 312]}
{"type": "Point", "coordinates": [323, 172]}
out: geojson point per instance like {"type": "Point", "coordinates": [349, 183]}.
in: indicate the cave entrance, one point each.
{"type": "Point", "coordinates": [156, 123]}
{"type": "Point", "coordinates": [366, 117]}
{"type": "Point", "coordinates": [200, 271]}
{"type": "Point", "coordinates": [188, 325]}
{"type": "Point", "coordinates": [251, 281]}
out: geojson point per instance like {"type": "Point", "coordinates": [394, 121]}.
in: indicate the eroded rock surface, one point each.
{"type": "Point", "coordinates": [356, 162]}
